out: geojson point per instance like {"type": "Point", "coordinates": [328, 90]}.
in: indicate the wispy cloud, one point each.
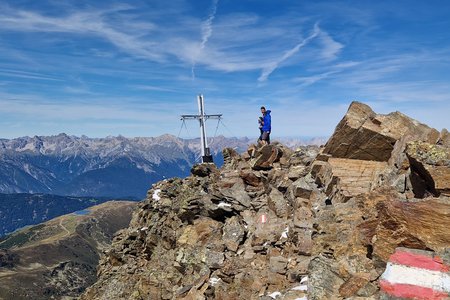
{"type": "Point", "coordinates": [133, 64]}
{"type": "Point", "coordinates": [83, 22]}
{"type": "Point", "coordinates": [331, 48]}
{"type": "Point", "coordinates": [273, 65]}
{"type": "Point", "coordinates": [309, 80]}
{"type": "Point", "coordinates": [237, 46]}
{"type": "Point", "coordinates": [206, 32]}
{"type": "Point", "coordinates": [28, 75]}
{"type": "Point", "coordinates": [207, 25]}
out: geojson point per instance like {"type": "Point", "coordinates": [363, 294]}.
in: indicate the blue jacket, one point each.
{"type": "Point", "coordinates": [267, 122]}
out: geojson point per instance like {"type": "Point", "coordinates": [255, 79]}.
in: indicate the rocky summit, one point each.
{"type": "Point", "coordinates": [273, 223]}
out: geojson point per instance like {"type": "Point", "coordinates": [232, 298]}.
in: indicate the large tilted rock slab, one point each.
{"type": "Point", "coordinates": [343, 178]}
{"type": "Point", "coordinates": [368, 150]}
{"type": "Point", "coordinates": [420, 224]}
{"type": "Point", "coordinates": [363, 134]}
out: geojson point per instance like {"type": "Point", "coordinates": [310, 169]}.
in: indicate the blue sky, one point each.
{"type": "Point", "coordinates": [107, 68]}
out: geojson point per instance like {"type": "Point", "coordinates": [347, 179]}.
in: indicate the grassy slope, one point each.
{"type": "Point", "coordinates": [59, 257]}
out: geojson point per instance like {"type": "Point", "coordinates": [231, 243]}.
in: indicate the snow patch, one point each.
{"type": "Point", "coordinates": [156, 195]}
{"type": "Point", "coordinates": [223, 204]}
{"type": "Point", "coordinates": [302, 298]}
{"type": "Point", "coordinates": [214, 280]}
{"type": "Point", "coordinates": [144, 228]}
{"type": "Point", "coordinates": [284, 234]}
{"type": "Point", "coordinates": [274, 295]}
{"type": "Point", "coordinates": [302, 287]}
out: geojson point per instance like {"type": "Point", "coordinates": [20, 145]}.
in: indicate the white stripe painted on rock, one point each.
{"type": "Point", "coordinates": [399, 274]}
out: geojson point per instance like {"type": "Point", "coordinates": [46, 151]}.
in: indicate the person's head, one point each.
{"type": "Point", "coordinates": [263, 110]}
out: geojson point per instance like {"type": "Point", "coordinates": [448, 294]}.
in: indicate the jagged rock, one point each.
{"type": "Point", "coordinates": [233, 233]}
{"type": "Point", "coordinates": [296, 172]}
{"type": "Point", "coordinates": [364, 135]}
{"type": "Point", "coordinates": [421, 224]}
{"type": "Point", "coordinates": [303, 187]}
{"type": "Point", "coordinates": [250, 178]}
{"type": "Point", "coordinates": [430, 166]}
{"type": "Point", "coordinates": [444, 138]}
{"type": "Point", "coordinates": [352, 286]}
{"type": "Point", "coordinates": [229, 155]}
{"type": "Point", "coordinates": [324, 279]}
{"type": "Point", "coordinates": [351, 177]}
{"type": "Point", "coordinates": [304, 155]}
{"type": "Point", "coordinates": [204, 169]}
{"type": "Point", "coordinates": [278, 204]}
{"type": "Point", "coordinates": [277, 264]}
{"type": "Point", "coordinates": [264, 156]}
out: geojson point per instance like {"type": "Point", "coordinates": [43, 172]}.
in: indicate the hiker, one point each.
{"type": "Point", "coordinates": [266, 126]}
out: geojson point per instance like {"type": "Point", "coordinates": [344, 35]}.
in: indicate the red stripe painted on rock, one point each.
{"type": "Point", "coordinates": [419, 261]}
{"type": "Point", "coordinates": [411, 291]}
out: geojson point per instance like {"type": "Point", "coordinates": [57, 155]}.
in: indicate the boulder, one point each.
{"type": "Point", "coordinates": [430, 166]}
{"type": "Point", "coordinates": [233, 233]}
{"type": "Point", "coordinates": [204, 169]}
{"type": "Point", "coordinates": [364, 135]}
{"type": "Point", "coordinates": [263, 157]}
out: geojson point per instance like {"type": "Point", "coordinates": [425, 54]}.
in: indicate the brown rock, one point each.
{"type": "Point", "coordinates": [233, 233]}
{"type": "Point", "coordinates": [265, 156]}
{"type": "Point", "coordinates": [302, 188]}
{"type": "Point", "coordinates": [364, 135]}
{"type": "Point", "coordinates": [420, 224]}
{"type": "Point", "coordinates": [351, 177]}
{"type": "Point", "coordinates": [278, 204]}
{"type": "Point", "coordinates": [430, 168]}
{"type": "Point", "coordinates": [229, 155]}
{"type": "Point", "coordinates": [204, 169]}
{"type": "Point", "coordinates": [277, 264]}
{"type": "Point", "coordinates": [352, 285]}
{"type": "Point", "coordinates": [444, 138]}
{"type": "Point", "coordinates": [250, 178]}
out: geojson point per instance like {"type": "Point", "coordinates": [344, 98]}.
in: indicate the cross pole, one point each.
{"type": "Point", "coordinates": [202, 117]}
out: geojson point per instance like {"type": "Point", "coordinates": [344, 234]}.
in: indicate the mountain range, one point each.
{"type": "Point", "coordinates": [115, 167]}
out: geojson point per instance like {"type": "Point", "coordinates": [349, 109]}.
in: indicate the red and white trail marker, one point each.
{"type": "Point", "coordinates": [263, 219]}
{"type": "Point", "coordinates": [416, 274]}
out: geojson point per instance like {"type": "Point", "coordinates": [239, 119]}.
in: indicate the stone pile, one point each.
{"type": "Point", "coordinates": [273, 223]}
{"type": "Point", "coordinates": [240, 232]}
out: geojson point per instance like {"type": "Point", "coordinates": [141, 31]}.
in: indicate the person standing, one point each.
{"type": "Point", "coordinates": [266, 126]}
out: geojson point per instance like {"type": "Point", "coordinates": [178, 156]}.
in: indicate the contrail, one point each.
{"type": "Point", "coordinates": [270, 68]}
{"type": "Point", "coordinates": [206, 30]}
{"type": "Point", "coordinates": [207, 25]}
